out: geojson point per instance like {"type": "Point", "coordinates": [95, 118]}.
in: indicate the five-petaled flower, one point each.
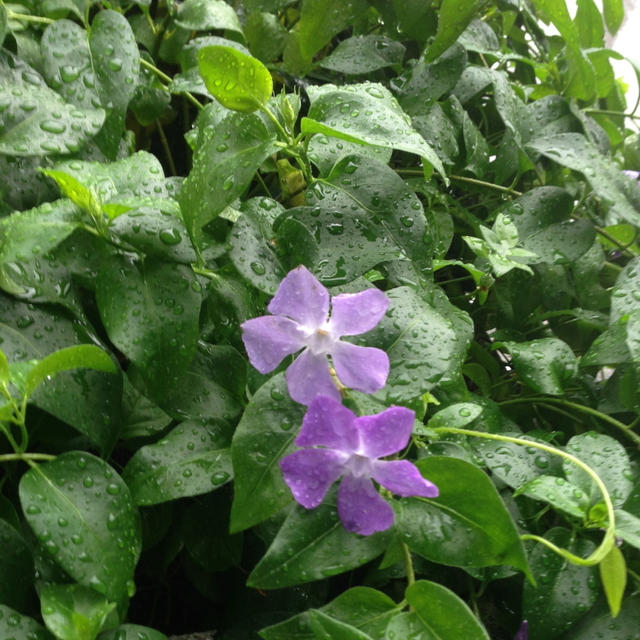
{"type": "Point", "coordinates": [350, 447]}
{"type": "Point", "coordinates": [301, 320]}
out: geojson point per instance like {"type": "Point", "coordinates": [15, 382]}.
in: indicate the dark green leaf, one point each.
{"type": "Point", "coordinates": [442, 613]}
{"type": "Point", "coordinates": [238, 81]}
{"type": "Point", "coordinates": [547, 365]}
{"type": "Point", "coordinates": [263, 437]}
{"type": "Point", "coordinates": [340, 112]}
{"type": "Point", "coordinates": [559, 493]}
{"type": "Point", "coordinates": [598, 623]}
{"type": "Point", "coordinates": [74, 612]}
{"type": "Point", "coordinates": [327, 628]}
{"type": "Point", "coordinates": [265, 35]}
{"type": "Point", "coordinates": [564, 591]}
{"type": "Point", "coordinates": [422, 343]}
{"type": "Point", "coordinates": [150, 311]}
{"type": "Point", "coordinates": [312, 545]}
{"type": "Point", "coordinates": [190, 460]}
{"type": "Point", "coordinates": [132, 632]}
{"type": "Point", "coordinates": [363, 54]}
{"type": "Point", "coordinates": [223, 166]}
{"type": "Point", "coordinates": [608, 458]}
{"type": "Point", "coordinates": [467, 525]}
{"type": "Point", "coordinates": [453, 18]}
{"type": "Point", "coordinates": [202, 15]}
{"type": "Point", "coordinates": [83, 514]}
{"type": "Point", "coordinates": [16, 569]}
{"type": "Point", "coordinates": [18, 627]}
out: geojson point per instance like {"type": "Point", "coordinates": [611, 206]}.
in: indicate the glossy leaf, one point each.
{"type": "Point", "coordinates": [467, 525]}
{"type": "Point", "coordinates": [326, 628]}
{"type": "Point", "coordinates": [364, 608]}
{"type": "Point", "coordinates": [453, 19]}
{"type": "Point", "coordinates": [335, 111]}
{"type": "Point", "coordinates": [441, 613]}
{"type": "Point", "coordinates": [564, 591]}
{"type": "Point", "coordinates": [312, 545]}
{"type": "Point", "coordinates": [363, 54]}
{"type": "Point", "coordinates": [191, 459]}
{"type": "Point", "coordinates": [624, 296]}
{"type": "Point", "coordinates": [263, 437]}
{"type": "Point", "coordinates": [150, 312]}
{"type": "Point", "coordinates": [80, 356]}
{"type": "Point", "coordinates": [559, 493]}
{"type": "Point", "coordinates": [628, 527]}
{"type": "Point", "coordinates": [132, 632]}
{"type": "Point", "coordinates": [608, 458]}
{"type": "Point", "coordinates": [613, 573]}
{"type": "Point", "coordinates": [598, 622]}
{"type": "Point", "coordinates": [83, 514]}
{"type": "Point", "coordinates": [238, 81]}
{"type": "Point", "coordinates": [202, 15]}
{"type": "Point", "coordinates": [19, 627]}
{"type": "Point", "coordinates": [74, 612]}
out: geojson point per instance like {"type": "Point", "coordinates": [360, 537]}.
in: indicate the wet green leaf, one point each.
{"type": "Point", "coordinates": [83, 514]}
{"type": "Point", "coordinates": [559, 493]}
{"type": "Point", "coordinates": [16, 569]}
{"type": "Point", "coordinates": [20, 627]}
{"type": "Point", "coordinates": [613, 573]}
{"type": "Point", "coordinates": [202, 15]}
{"type": "Point", "coordinates": [363, 54]}
{"type": "Point", "coordinates": [453, 19]}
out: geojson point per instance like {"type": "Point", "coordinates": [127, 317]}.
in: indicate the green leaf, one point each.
{"type": "Point", "coordinates": [359, 55]}
{"type": "Point", "coordinates": [252, 244]}
{"type": "Point", "coordinates": [340, 112]}
{"type": "Point", "coordinates": [608, 458]}
{"type": "Point", "coordinates": [140, 416]}
{"type": "Point", "coordinates": [320, 21]}
{"type": "Point", "coordinates": [238, 81]}
{"type": "Point", "coordinates": [453, 18]}
{"type": "Point", "coordinates": [223, 166]}
{"type": "Point", "coordinates": [613, 14]}
{"type": "Point", "coordinates": [624, 295]}
{"type": "Point", "coordinates": [573, 150]}
{"type": "Point", "coordinates": [327, 628]}
{"type": "Point", "coordinates": [132, 632]}
{"type": "Point", "coordinates": [4, 368]}
{"type": "Point", "coordinates": [18, 627]}
{"type": "Point", "coordinates": [589, 23]}
{"type": "Point", "coordinates": [189, 460]}
{"type": "Point", "coordinates": [512, 463]}
{"type": "Point", "coordinates": [613, 573]}
{"type": "Point", "coordinates": [467, 525]}
{"type": "Point", "coordinates": [265, 35]}
{"type": "Point", "coordinates": [16, 569]}
{"type": "Point", "coordinates": [150, 311]}
{"type": "Point", "coordinates": [559, 493]}
{"type": "Point", "coordinates": [312, 545]}
{"type": "Point", "coordinates": [75, 191]}
{"type": "Point", "coordinates": [442, 613]}
{"type": "Point", "coordinates": [264, 436]}
{"type": "Point", "coordinates": [362, 607]}
{"type": "Point", "coordinates": [564, 591]}
{"type": "Point", "coordinates": [599, 623]}
{"type": "Point", "coordinates": [456, 415]}
{"type": "Point", "coordinates": [628, 527]}
{"type": "Point", "coordinates": [203, 15]}
{"type": "Point", "coordinates": [82, 512]}
{"type": "Point", "coordinates": [547, 365]}
{"type": "Point", "coordinates": [406, 333]}
{"type": "Point", "coordinates": [84, 356]}
{"type": "Point", "coordinates": [74, 612]}
{"type": "Point", "coordinates": [87, 400]}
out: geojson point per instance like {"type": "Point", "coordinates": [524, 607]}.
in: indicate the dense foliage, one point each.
{"type": "Point", "coordinates": [164, 166]}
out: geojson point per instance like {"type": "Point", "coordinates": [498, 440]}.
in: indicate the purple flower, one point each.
{"type": "Point", "coordinates": [523, 631]}
{"type": "Point", "coordinates": [351, 447]}
{"type": "Point", "coordinates": [634, 175]}
{"type": "Point", "coordinates": [301, 320]}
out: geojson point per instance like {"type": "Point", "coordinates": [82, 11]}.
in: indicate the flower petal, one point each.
{"type": "Point", "coordinates": [403, 478]}
{"type": "Point", "coordinates": [310, 472]}
{"type": "Point", "coordinates": [362, 368]}
{"type": "Point", "coordinates": [361, 508]}
{"type": "Point", "coordinates": [385, 433]}
{"type": "Point", "coordinates": [328, 423]}
{"type": "Point", "coordinates": [353, 313]}
{"type": "Point", "coordinates": [302, 298]}
{"type": "Point", "coordinates": [309, 377]}
{"type": "Point", "coordinates": [268, 339]}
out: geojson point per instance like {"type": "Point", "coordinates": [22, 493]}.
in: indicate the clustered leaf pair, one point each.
{"type": "Point", "coordinates": [336, 442]}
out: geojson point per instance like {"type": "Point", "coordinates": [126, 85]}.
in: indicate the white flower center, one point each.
{"type": "Point", "coordinates": [358, 466]}
{"type": "Point", "coordinates": [320, 341]}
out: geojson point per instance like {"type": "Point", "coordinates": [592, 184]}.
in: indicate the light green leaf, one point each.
{"type": "Point", "coordinates": [453, 18]}
{"type": "Point", "coordinates": [613, 573]}
{"type": "Point", "coordinates": [203, 15]}
{"type": "Point", "coordinates": [625, 298]}
{"type": "Point", "coordinates": [74, 612]}
{"type": "Point", "coordinates": [613, 14]}
{"type": "Point", "coordinates": [238, 81]}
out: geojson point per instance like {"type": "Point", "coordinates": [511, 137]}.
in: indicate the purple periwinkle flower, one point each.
{"type": "Point", "coordinates": [350, 447]}
{"type": "Point", "coordinates": [523, 631]}
{"type": "Point", "coordinates": [301, 320]}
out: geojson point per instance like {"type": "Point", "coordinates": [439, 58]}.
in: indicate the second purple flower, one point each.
{"type": "Point", "coordinates": [304, 316]}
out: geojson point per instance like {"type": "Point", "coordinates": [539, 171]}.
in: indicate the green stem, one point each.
{"type": "Point", "coordinates": [578, 407]}
{"type": "Point", "coordinates": [479, 183]}
{"type": "Point", "coordinates": [609, 112]}
{"type": "Point", "coordinates": [12, 15]}
{"type": "Point", "coordinates": [610, 238]}
{"type": "Point", "coordinates": [163, 76]}
{"type": "Point", "coordinates": [207, 273]}
{"type": "Point", "coordinates": [284, 136]}
{"type": "Point", "coordinates": [408, 564]}
{"type": "Point", "coordinates": [167, 148]}
{"type": "Point", "coordinates": [8, 457]}
{"type": "Point", "coordinates": [609, 538]}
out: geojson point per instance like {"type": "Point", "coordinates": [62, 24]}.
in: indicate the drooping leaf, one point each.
{"type": "Point", "coordinates": [613, 573]}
